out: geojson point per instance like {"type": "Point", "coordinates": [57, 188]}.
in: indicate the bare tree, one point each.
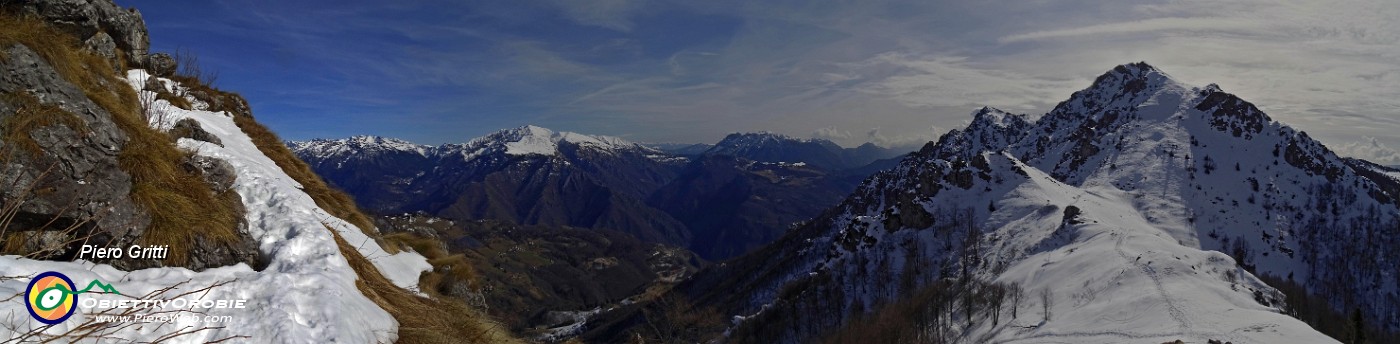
{"type": "Point", "coordinates": [154, 116]}
{"type": "Point", "coordinates": [1047, 301]}
{"type": "Point", "coordinates": [187, 63]}
{"type": "Point", "coordinates": [1016, 292]}
{"type": "Point", "coordinates": [996, 297]}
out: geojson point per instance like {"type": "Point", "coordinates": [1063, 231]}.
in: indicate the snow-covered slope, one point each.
{"type": "Point", "coordinates": [1119, 202]}
{"type": "Point", "coordinates": [306, 294]}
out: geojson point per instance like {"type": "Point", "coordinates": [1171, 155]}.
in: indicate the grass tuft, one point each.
{"type": "Point", "coordinates": [32, 114]}
{"type": "Point", "coordinates": [448, 269]}
{"type": "Point", "coordinates": [176, 101]}
{"type": "Point", "coordinates": [422, 320]}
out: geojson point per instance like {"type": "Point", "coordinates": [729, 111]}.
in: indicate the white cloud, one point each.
{"type": "Point", "coordinates": [831, 133]}
{"type": "Point", "coordinates": [902, 140]}
{"type": "Point", "coordinates": [1370, 149]}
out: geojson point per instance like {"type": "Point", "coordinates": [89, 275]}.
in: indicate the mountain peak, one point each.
{"type": "Point", "coordinates": [1132, 78]}
{"type": "Point", "coordinates": [359, 144]}
{"type": "Point", "coordinates": [995, 117]}
{"type": "Point", "coordinates": [536, 140]}
{"type": "Point", "coordinates": [1137, 66]}
{"type": "Point", "coordinates": [531, 130]}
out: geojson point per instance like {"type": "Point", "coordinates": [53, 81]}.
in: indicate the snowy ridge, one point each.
{"type": "Point", "coordinates": [534, 140]}
{"type": "Point", "coordinates": [1120, 201]}
{"type": "Point", "coordinates": [306, 294]}
{"type": "Point", "coordinates": [357, 145]}
{"type": "Point", "coordinates": [990, 129]}
{"type": "Point", "coordinates": [527, 140]}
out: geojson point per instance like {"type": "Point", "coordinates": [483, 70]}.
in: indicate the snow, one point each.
{"type": "Point", "coordinates": [527, 140]}
{"type": "Point", "coordinates": [574, 323]}
{"type": "Point", "coordinates": [1125, 277]}
{"type": "Point", "coordinates": [1155, 179]}
{"type": "Point", "coordinates": [306, 294]}
{"type": "Point", "coordinates": [534, 140]}
{"type": "Point", "coordinates": [357, 145]}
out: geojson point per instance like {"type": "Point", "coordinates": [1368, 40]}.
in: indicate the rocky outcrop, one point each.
{"type": "Point", "coordinates": [161, 65]}
{"type": "Point", "coordinates": [89, 20]}
{"type": "Point", "coordinates": [188, 128]}
{"type": "Point", "coordinates": [85, 180]}
{"type": "Point", "coordinates": [67, 163]}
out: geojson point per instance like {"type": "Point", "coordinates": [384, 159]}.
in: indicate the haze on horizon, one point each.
{"type": "Point", "coordinates": [891, 72]}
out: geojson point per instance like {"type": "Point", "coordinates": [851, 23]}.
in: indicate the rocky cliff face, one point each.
{"type": "Point", "coordinates": [63, 150]}
{"type": "Point", "coordinates": [76, 162]}
{"type": "Point", "coordinates": [115, 33]}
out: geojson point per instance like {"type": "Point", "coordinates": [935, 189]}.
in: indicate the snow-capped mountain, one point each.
{"type": "Point", "coordinates": [358, 145]}
{"type": "Point", "coordinates": [716, 204]}
{"type": "Point", "coordinates": [1142, 208]}
{"type": "Point", "coordinates": [527, 175]}
{"type": "Point", "coordinates": [534, 140]}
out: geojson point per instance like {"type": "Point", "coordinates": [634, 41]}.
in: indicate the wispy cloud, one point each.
{"type": "Point", "coordinates": [612, 14]}
{"type": "Point", "coordinates": [663, 70]}
{"type": "Point", "coordinates": [1153, 25]}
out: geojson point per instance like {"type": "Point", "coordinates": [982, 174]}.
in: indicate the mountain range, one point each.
{"type": "Point", "coordinates": [1140, 209]}
{"type": "Point", "coordinates": [734, 196]}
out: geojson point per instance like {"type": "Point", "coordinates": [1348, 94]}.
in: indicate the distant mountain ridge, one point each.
{"type": "Point", "coordinates": [528, 174]}
{"type": "Point", "coordinates": [771, 147]}
{"type": "Point", "coordinates": [719, 202]}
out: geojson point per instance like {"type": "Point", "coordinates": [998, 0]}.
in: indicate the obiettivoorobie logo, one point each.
{"type": "Point", "coordinates": [52, 298]}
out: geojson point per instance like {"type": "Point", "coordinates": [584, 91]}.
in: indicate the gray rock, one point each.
{"type": "Point", "coordinates": [102, 45]}
{"type": "Point", "coordinates": [161, 65]}
{"type": "Point", "coordinates": [85, 18]}
{"type": "Point", "coordinates": [77, 180]}
{"type": "Point", "coordinates": [153, 84]}
{"type": "Point", "coordinates": [218, 173]}
{"type": "Point", "coordinates": [234, 104]}
{"type": "Point", "coordinates": [208, 254]}
{"type": "Point", "coordinates": [188, 128]}
{"type": "Point", "coordinates": [86, 180]}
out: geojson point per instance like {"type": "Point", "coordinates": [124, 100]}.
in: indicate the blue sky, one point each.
{"type": "Point", "coordinates": [893, 72]}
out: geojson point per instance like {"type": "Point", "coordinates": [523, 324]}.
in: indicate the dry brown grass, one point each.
{"type": "Point", "coordinates": [422, 320]}
{"type": "Point", "coordinates": [448, 269]}
{"type": "Point", "coordinates": [183, 209]}
{"type": "Point", "coordinates": [439, 319]}
{"type": "Point", "coordinates": [31, 114]}
{"type": "Point", "coordinates": [218, 100]}
{"type": "Point", "coordinates": [176, 101]}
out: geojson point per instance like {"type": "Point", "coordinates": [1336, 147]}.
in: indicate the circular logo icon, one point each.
{"type": "Point", "coordinates": [51, 298]}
